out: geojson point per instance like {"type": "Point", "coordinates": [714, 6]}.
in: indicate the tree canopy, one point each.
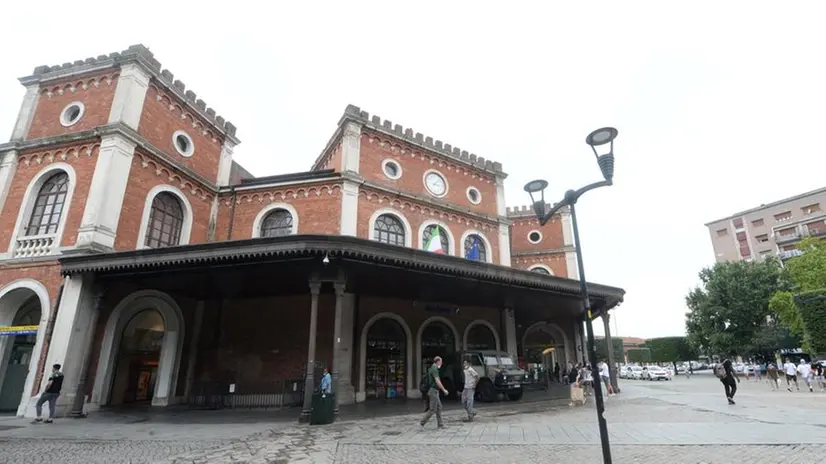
{"type": "Point", "coordinates": [602, 351]}
{"type": "Point", "coordinates": [639, 355]}
{"type": "Point", "coordinates": [670, 349]}
{"type": "Point", "coordinates": [730, 309]}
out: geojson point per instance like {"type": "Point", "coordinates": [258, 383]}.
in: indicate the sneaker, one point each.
{"type": "Point", "coordinates": [441, 426]}
{"type": "Point", "coordinates": [37, 421]}
{"type": "Point", "coordinates": [48, 421]}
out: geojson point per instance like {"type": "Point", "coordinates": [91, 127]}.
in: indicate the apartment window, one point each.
{"type": "Point", "coordinates": [757, 223]}
{"type": "Point", "coordinates": [788, 248]}
{"type": "Point", "coordinates": [788, 231]}
{"type": "Point", "coordinates": [722, 232]}
{"type": "Point", "coordinates": [811, 209]}
{"type": "Point", "coordinates": [738, 223]}
{"type": "Point", "coordinates": [765, 253]}
{"type": "Point", "coordinates": [783, 216]}
{"type": "Point", "coordinates": [762, 238]}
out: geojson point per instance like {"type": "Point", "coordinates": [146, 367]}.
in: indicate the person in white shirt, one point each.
{"type": "Point", "coordinates": [805, 371]}
{"type": "Point", "coordinates": [605, 375]}
{"type": "Point", "coordinates": [471, 379]}
{"type": "Point", "coordinates": [791, 375]}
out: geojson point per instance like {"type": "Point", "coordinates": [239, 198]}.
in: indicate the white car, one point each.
{"type": "Point", "coordinates": [636, 373]}
{"type": "Point", "coordinates": [656, 373]}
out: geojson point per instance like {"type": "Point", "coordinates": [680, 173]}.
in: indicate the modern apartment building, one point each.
{"type": "Point", "coordinates": [771, 229]}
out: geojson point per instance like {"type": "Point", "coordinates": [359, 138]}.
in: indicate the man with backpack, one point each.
{"type": "Point", "coordinates": [726, 374]}
{"type": "Point", "coordinates": [435, 387]}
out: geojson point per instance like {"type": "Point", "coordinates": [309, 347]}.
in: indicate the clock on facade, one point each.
{"type": "Point", "coordinates": [435, 183]}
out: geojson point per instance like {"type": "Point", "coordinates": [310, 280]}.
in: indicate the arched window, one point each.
{"type": "Point", "coordinates": [475, 248]}
{"type": "Point", "coordinates": [277, 223]}
{"type": "Point", "coordinates": [435, 239]}
{"type": "Point", "coordinates": [48, 207]}
{"type": "Point", "coordinates": [165, 221]}
{"type": "Point", "coordinates": [389, 229]}
{"type": "Point", "coordinates": [540, 270]}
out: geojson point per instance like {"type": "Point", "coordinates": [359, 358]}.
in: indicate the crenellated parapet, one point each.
{"type": "Point", "coordinates": [141, 55]}
{"type": "Point", "coordinates": [354, 113]}
{"type": "Point", "coordinates": [526, 211]}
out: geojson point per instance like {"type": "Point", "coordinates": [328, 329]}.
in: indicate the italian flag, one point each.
{"type": "Point", "coordinates": [434, 243]}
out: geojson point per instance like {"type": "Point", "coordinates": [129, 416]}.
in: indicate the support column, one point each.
{"type": "Point", "coordinates": [193, 347]}
{"type": "Point", "coordinates": [309, 382]}
{"type": "Point", "coordinates": [336, 374]}
{"type": "Point", "coordinates": [612, 370]}
{"type": "Point", "coordinates": [346, 393]}
{"type": "Point", "coordinates": [225, 165]}
{"type": "Point", "coordinates": [70, 338]}
{"type": "Point", "coordinates": [8, 166]}
{"type": "Point", "coordinates": [348, 222]}
{"type": "Point", "coordinates": [509, 327]}
{"type": "Point", "coordinates": [78, 405]}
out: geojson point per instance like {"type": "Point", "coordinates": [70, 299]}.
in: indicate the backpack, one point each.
{"type": "Point", "coordinates": [720, 371]}
{"type": "Point", "coordinates": [424, 387]}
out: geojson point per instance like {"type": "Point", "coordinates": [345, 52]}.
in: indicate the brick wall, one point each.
{"type": "Point", "coordinates": [146, 173]}
{"type": "Point", "coordinates": [547, 251]}
{"type": "Point", "coordinates": [95, 92]}
{"type": "Point", "coordinates": [162, 115]}
{"type": "Point", "coordinates": [414, 162]}
{"type": "Point", "coordinates": [318, 207]}
{"type": "Point", "coordinates": [48, 274]}
{"type": "Point", "coordinates": [81, 157]}
{"type": "Point", "coordinates": [416, 213]}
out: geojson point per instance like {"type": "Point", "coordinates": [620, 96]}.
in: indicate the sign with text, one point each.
{"type": "Point", "coordinates": [19, 330]}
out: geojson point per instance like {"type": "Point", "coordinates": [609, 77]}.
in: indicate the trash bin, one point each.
{"type": "Point", "coordinates": [323, 411]}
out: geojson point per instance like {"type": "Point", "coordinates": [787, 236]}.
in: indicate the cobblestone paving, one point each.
{"type": "Point", "coordinates": [96, 451]}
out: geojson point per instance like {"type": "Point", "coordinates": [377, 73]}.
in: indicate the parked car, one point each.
{"type": "Point", "coordinates": [656, 373]}
{"type": "Point", "coordinates": [636, 373]}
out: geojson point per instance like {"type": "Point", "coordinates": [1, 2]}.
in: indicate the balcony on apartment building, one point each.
{"type": "Point", "coordinates": [810, 227]}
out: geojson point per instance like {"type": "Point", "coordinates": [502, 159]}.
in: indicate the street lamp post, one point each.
{"type": "Point", "coordinates": [596, 139]}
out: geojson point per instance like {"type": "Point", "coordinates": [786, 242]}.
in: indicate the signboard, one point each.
{"type": "Point", "coordinates": [19, 330]}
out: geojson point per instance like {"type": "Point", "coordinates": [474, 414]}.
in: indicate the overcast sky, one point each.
{"type": "Point", "coordinates": [714, 101]}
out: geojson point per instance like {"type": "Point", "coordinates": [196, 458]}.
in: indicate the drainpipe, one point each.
{"type": "Point", "coordinates": [232, 213]}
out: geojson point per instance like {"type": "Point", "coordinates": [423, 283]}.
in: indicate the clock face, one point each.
{"type": "Point", "coordinates": [435, 184]}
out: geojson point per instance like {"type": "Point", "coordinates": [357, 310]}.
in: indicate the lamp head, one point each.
{"type": "Point", "coordinates": [536, 189]}
{"type": "Point", "coordinates": [605, 154]}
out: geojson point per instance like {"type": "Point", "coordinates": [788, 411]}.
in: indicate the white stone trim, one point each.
{"type": "Point", "coordinates": [391, 161]}
{"type": "Point", "coordinates": [351, 147]}
{"type": "Point", "coordinates": [130, 95]}
{"type": "Point", "coordinates": [170, 358]}
{"type": "Point", "coordinates": [191, 143]}
{"type": "Point", "coordinates": [9, 305]}
{"type": "Point", "coordinates": [64, 121]}
{"type": "Point", "coordinates": [485, 241]}
{"type": "Point", "coordinates": [410, 383]}
{"type": "Point", "coordinates": [567, 228]}
{"type": "Point", "coordinates": [186, 227]}
{"type": "Point", "coordinates": [259, 218]}
{"type": "Point", "coordinates": [504, 245]}
{"type": "Point", "coordinates": [408, 231]}
{"type": "Point", "coordinates": [444, 178]}
{"type": "Point", "coordinates": [478, 195]}
{"type": "Point", "coordinates": [541, 236]}
{"type": "Point", "coordinates": [555, 331]}
{"type": "Point", "coordinates": [457, 342]}
{"type": "Point", "coordinates": [225, 164]}
{"type": "Point", "coordinates": [29, 198]}
{"type": "Point", "coordinates": [501, 206]}
{"type": "Point", "coordinates": [486, 324]}
{"type": "Point", "coordinates": [451, 243]}
{"type": "Point", "coordinates": [26, 113]}
{"type": "Point", "coordinates": [571, 265]}
{"type": "Point", "coordinates": [348, 222]}
{"type": "Point", "coordinates": [8, 166]}
{"type": "Point", "coordinates": [542, 266]}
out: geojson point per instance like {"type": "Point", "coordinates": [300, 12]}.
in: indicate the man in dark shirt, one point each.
{"type": "Point", "coordinates": [435, 383]}
{"type": "Point", "coordinates": [729, 381]}
{"type": "Point", "coordinates": [50, 394]}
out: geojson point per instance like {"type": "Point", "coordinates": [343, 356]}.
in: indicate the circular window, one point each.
{"type": "Point", "coordinates": [534, 236]}
{"type": "Point", "coordinates": [183, 143]}
{"type": "Point", "coordinates": [435, 183]}
{"type": "Point", "coordinates": [72, 114]}
{"type": "Point", "coordinates": [391, 169]}
{"type": "Point", "coordinates": [473, 195]}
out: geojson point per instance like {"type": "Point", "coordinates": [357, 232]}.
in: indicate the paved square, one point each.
{"type": "Point", "coordinates": [679, 421]}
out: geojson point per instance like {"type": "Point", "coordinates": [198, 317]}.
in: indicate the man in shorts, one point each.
{"type": "Point", "coordinates": [791, 375]}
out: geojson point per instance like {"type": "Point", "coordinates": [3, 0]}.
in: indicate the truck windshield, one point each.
{"type": "Point", "coordinates": [496, 361]}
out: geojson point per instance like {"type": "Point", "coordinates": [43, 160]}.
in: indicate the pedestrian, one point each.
{"type": "Point", "coordinates": [805, 371]}
{"type": "Point", "coordinates": [791, 375]}
{"type": "Point", "coordinates": [434, 388]}
{"type": "Point", "coordinates": [727, 376]}
{"type": "Point", "coordinates": [577, 388]}
{"type": "Point", "coordinates": [819, 374]}
{"type": "Point", "coordinates": [556, 373]}
{"type": "Point", "coordinates": [605, 375]}
{"type": "Point", "coordinates": [326, 383]}
{"type": "Point", "coordinates": [471, 378]}
{"type": "Point", "coordinates": [771, 373]}
{"type": "Point", "coordinates": [50, 394]}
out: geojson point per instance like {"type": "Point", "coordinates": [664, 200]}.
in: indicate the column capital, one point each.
{"type": "Point", "coordinates": [315, 287]}
{"type": "Point", "coordinates": [606, 316]}
{"type": "Point", "coordinates": [340, 287]}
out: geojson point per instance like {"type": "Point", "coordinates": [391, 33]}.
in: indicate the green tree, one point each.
{"type": "Point", "coordinates": [812, 307]}
{"type": "Point", "coordinates": [670, 349]}
{"type": "Point", "coordinates": [639, 355]}
{"type": "Point", "coordinates": [808, 271]}
{"type": "Point", "coordinates": [732, 305]}
{"type": "Point", "coordinates": [602, 351]}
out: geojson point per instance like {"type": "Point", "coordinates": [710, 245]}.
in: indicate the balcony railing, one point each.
{"type": "Point", "coordinates": [33, 246]}
{"type": "Point", "coordinates": [783, 255]}
{"type": "Point", "coordinates": [785, 238]}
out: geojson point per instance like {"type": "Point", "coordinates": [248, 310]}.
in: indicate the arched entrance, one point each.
{"type": "Point", "coordinates": [17, 355]}
{"type": "Point", "coordinates": [23, 302]}
{"type": "Point", "coordinates": [139, 354]}
{"type": "Point", "coordinates": [543, 347]}
{"type": "Point", "coordinates": [386, 360]}
{"type": "Point", "coordinates": [437, 337]}
{"type": "Point", "coordinates": [480, 335]}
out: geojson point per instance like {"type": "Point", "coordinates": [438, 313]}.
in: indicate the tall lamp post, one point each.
{"type": "Point", "coordinates": [605, 159]}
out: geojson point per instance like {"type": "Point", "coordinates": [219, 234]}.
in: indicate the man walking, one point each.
{"type": "Point", "coordinates": [605, 376]}
{"type": "Point", "coordinates": [471, 378]}
{"type": "Point", "coordinates": [805, 371]}
{"type": "Point", "coordinates": [728, 377]}
{"type": "Point", "coordinates": [791, 375]}
{"type": "Point", "coordinates": [435, 386]}
{"type": "Point", "coordinates": [49, 395]}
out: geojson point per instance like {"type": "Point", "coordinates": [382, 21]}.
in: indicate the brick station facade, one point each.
{"type": "Point", "coordinates": [117, 175]}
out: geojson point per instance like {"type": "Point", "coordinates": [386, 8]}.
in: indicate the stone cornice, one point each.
{"type": "Point", "coordinates": [140, 55]}
{"type": "Point", "coordinates": [564, 249]}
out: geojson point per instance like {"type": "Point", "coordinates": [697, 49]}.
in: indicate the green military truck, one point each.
{"type": "Point", "coordinates": [498, 374]}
